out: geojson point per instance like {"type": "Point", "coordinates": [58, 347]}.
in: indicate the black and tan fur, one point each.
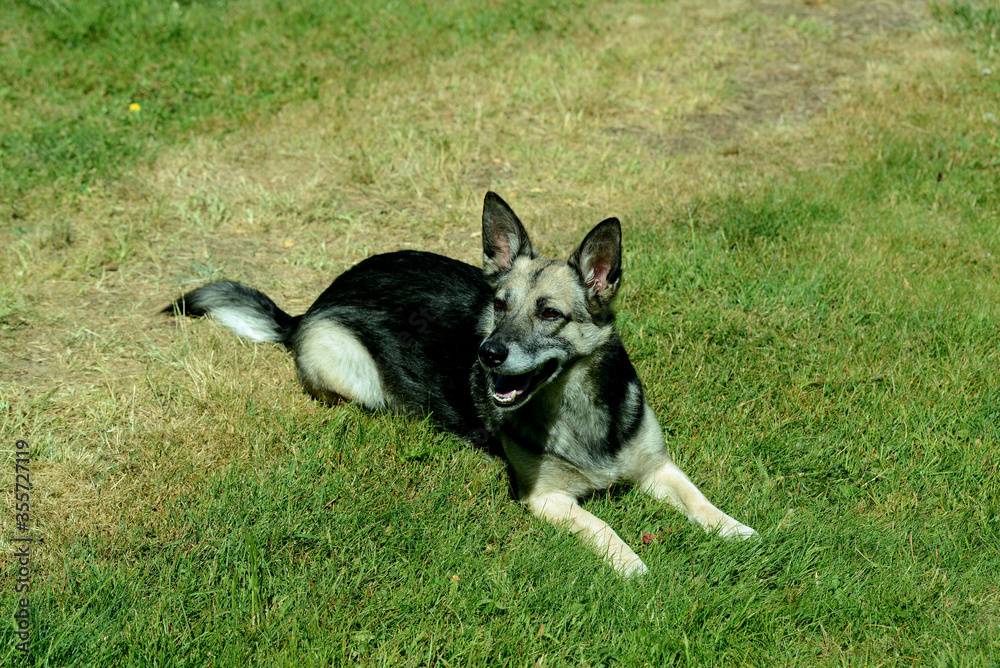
{"type": "Point", "coordinates": [522, 353]}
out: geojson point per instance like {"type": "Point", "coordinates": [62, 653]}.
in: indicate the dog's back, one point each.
{"type": "Point", "coordinates": [416, 314]}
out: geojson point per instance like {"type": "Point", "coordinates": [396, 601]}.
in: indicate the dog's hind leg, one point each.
{"type": "Point", "coordinates": [332, 363]}
{"type": "Point", "coordinates": [563, 510]}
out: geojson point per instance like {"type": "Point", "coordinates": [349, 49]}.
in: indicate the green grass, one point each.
{"type": "Point", "coordinates": [815, 313]}
{"type": "Point", "coordinates": [207, 67]}
{"type": "Point", "coordinates": [980, 20]}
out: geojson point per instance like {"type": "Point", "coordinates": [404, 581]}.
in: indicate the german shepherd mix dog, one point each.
{"type": "Point", "coordinates": [523, 352]}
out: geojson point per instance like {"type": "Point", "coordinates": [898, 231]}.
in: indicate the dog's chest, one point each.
{"type": "Point", "coordinates": [570, 425]}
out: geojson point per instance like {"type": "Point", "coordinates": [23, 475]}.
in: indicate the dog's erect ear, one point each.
{"type": "Point", "coordinates": [504, 238]}
{"type": "Point", "coordinates": [598, 261]}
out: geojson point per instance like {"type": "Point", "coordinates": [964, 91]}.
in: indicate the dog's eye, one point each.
{"type": "Point", "coordinates": [551, 314]}
{"type": "Point", "coordinates": [499, 304]}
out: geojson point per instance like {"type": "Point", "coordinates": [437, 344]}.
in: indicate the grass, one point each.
{"type": "Point", "coordinates": [228, 64]}
{"type": "Point", "coordinates": [810, 202]}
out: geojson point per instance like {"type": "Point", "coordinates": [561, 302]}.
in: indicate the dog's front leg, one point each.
{"type": "Point", "coordinates": [563, 510]}
{"type": "Point", "coordinates": [650, 467]}
{"type": "Point", "coordinates": [668, 483]}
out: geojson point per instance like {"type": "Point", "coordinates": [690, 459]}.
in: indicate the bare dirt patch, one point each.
{"type": "Point", "coordinates": [781, 64]}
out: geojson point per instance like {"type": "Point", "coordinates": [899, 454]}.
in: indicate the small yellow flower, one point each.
{"type": "Point", "coordinates": [134, 107]}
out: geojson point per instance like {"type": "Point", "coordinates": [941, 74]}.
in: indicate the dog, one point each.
{"type": "Point", "coordinates": [522, 353]}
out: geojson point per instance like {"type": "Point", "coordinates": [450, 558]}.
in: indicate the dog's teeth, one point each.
{"type": "Point", "coordinates": [504, 399]}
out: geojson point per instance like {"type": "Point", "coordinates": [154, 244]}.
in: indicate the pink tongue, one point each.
{"type": "Point", "coordinates": [512, 386]}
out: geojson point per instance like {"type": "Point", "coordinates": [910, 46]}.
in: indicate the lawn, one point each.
{"type": "Point", "coordinates": [810, 199]}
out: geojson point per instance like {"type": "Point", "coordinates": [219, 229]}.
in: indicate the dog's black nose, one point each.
{"type": "Point", "coordinates": [492, 353]}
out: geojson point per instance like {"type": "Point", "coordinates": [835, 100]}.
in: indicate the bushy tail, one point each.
{"type": "Point", "coordinates": [246, 311]}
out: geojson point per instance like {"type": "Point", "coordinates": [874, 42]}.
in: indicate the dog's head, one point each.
{"type": "Point", "coordinates": [546, 313]}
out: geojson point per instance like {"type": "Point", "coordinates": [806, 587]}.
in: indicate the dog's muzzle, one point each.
{"type": "Point", "coordinates": [511, 390]}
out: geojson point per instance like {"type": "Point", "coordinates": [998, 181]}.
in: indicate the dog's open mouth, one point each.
{"type": "Point", "coordinates": [510, 391]}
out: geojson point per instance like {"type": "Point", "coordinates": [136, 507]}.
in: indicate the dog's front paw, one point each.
{"type": "Point", "coordinates": [633, 569]}
{"type": "Point", "coordinates": [736, 531]}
